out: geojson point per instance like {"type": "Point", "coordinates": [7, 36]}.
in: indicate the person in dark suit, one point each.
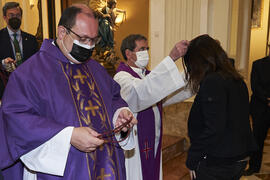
{"type": "Point", "coordinates": [218, 124]}
{"type": "Point", "coordinates": [16, 45]}
{"type": "Point", "coordinates": [259, 109]}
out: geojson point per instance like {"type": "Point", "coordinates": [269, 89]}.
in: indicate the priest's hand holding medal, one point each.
{"type": "Point", "coordinates": [87, 140]}
{"type": "Point", "coordinates": [123, 124]}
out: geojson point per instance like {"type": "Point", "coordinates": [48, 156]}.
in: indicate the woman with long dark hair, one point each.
{"type": "Point", "coordinates": [218, 124]}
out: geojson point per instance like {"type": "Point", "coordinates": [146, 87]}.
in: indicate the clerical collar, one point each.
{"type": "Point", "coordinates": [139, 71]}
{"type": "Point", "coordinates": [55, 44]}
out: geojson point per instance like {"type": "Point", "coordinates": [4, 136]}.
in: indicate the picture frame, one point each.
{"type": "Point", "coordinates": [256, 13]}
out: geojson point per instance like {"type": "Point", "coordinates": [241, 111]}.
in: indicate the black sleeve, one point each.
{"type": "Point", "coordinates": [212, 100]}
{"type": "Point", "coordinates": [256, 86]}
{"type": "Point", "coordinates": [36, 48]}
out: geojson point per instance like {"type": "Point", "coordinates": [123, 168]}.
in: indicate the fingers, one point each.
{"type": "Point", "coordinates": [85, 139]}
{"type": "Point", "coordinates": [92, 132]}
{"type": "Point", "coordinates": [179, 50]}
{"type": "Point", "coordinates": [134, 121]}
{"type": "Point", "coordinates": [192, 174]}
{"type": "Point", "coordinates": [9, 60]}
{"type": "Point", "coordinates": [125, 116]}
{"type": "Point", "coordinates": [95, 141]}
{"type": "Point", "coordinates": [182, 47]}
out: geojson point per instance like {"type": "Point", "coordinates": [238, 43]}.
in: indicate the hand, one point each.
{"type": "Point", "coordinates": [85, 139]}
{"type": "Point", "coordinates": [192, 174]}
{"type": "Point", "coordinates": [9, 64]}
{"type": "Point", "coordinates": [9, 60]}
{"type": "Point", "coordinates": [268, 99]}
{"type": "Point", "coordinates": [179, 50]}
{"type": "Point", "coordinates": [123, 117]}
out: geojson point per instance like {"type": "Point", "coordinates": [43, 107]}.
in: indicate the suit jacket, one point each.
{"type": "Point", "coordinates": [218, 124]}
{"type": "Point", "coordinates": [29, 43]}
{"type": "Point", "coordinates": [260, 85]}
{"type": "Point", "coordinates": [30, 46]}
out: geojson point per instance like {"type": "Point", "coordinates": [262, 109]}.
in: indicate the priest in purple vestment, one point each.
{"type": "Point", "coordinates": [145, 93]}
{"type": "Point", "coordinates": [59, 110]}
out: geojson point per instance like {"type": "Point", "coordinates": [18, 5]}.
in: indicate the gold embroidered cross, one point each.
{"type": "Point", "coordinates": [80, 76]}
{"type": "Point", "coordinates": [91, 108]}
{"type": "Point", "coordinates": [103, 175]}
{"type": "Point", "coordinates": [76, 87]}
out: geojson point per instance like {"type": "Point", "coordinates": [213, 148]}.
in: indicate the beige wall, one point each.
{"type": "Point", "coordinates": [259, 36]}
{"type": "Point", "coordinates": [136, 22]}
{"type": "Point", "coordinates": [186, 19]}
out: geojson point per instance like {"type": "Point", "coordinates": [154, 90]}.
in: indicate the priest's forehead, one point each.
{"type": "Point", "coordinates": [141, 45]}
{"type": "Point", "coordinates": [86, 26]}
{"type": "Point", "coordinates": [69, 16]}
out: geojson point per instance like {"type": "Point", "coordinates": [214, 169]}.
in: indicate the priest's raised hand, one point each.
{"type": "Point", "coordinates": [179, 50]}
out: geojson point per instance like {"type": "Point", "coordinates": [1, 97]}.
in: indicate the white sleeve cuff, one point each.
{"type": "Point", "coordinates": [129, 142]}
{"type": "Point", "coordinates": [3, 63]}
{"type": "Point", "coordinates": [50, 157]}
{"type": "Point", "coordinates": [178, 77]}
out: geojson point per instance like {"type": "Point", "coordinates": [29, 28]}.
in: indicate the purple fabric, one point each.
{"type": "Point", "coordinates": [146, 135]}
{"type": "Point", "coordinates": [39, 102]}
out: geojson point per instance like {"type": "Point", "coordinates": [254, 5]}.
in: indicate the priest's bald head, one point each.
{"type": "Point", "coordinates": [77, 33]}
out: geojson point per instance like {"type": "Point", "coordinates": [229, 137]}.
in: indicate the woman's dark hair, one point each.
{"type": "Point", "coordinates": [205, 56]}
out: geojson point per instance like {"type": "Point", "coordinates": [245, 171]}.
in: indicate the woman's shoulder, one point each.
{"type": "Point", "coordinates": [213, 77]}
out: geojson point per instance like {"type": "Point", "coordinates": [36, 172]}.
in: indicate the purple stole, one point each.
{"type": "Point", "coordinates": [146, 135]}
{"type": "Point", "coordinates": [91, 112]}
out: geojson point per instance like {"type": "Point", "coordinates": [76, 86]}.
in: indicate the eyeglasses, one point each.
{"type": "Point", "coordinates": [86, 40]}
{"type": "Point", "coordinates": [11, 15]}
{"type": "Point", "coordinates": [143, 49]}
{"type": "Point", "coordinates": [108, 135]}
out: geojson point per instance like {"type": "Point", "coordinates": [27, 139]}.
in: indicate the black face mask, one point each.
{"type": "Point", "coordinates": [14, 23]}
{"type": "Point", "coordinates": [80, 53]}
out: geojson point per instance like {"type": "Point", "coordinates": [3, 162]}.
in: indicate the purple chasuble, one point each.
{"type": "Point", "coordinates": [46, 94]}
{"type": "Point", "coordinates": [146, 135]}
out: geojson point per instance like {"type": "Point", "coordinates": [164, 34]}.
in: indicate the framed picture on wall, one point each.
{"type": "Point", "coordinates": [256, 13]}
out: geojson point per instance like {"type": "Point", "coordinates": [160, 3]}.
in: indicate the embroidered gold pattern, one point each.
{"type": "Point", "coordinates": [103, 175]}
{"type": "Point", "coordinates": [80, 76]}
{"type": "Point", "coordinates": [95, 106]}
{"type": "Point", "coordinates": [91, 108]}
{"type": "Point", "coordinates": [76, 87]}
